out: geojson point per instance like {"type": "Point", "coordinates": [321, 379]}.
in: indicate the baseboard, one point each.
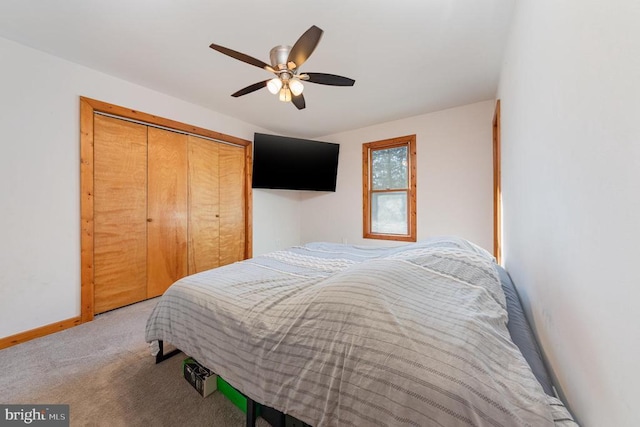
{"type": "Point", "coordinates": [39, 332]}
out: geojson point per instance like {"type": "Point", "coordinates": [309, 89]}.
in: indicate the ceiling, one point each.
{"type": "Point", "coordinates": [408, 57]}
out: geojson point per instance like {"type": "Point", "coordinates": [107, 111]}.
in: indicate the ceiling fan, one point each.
{"type": "Point", "coordinates": [285, 64]}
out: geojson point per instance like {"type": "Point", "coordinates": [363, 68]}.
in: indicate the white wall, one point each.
{"type": "Point", "coordinates": [454, 171]}
{"type": "Point", "coordinates": [570, 91]}
{"type": "Point", "coordinates": [277, 223]}
{"type": "Point", "coordinates": [40, 179]}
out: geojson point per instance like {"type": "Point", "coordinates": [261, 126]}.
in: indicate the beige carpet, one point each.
{"type": "Point", "coordinates": [104, 371]}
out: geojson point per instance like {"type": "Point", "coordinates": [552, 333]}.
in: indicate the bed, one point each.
{"type": "Point", "coordinates": [418, 335]}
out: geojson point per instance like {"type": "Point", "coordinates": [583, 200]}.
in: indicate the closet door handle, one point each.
{"type": "Point", "coordinates": [149, 220]}
{"type": "Point", "coordinates": [217, 215]}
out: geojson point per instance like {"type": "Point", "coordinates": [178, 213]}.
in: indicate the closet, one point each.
{"type": "Point", "coordinates": [165, 204]}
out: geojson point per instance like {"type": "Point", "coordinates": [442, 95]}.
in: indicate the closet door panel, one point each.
{"type": "Point", "coordinates": [232, 203]}
{"type": "Point", "coordinates": [120, 209]}
{"type": "Point", "coordinates": [204, 205]}
{"type": "Point", "coordinates": [167, 209]}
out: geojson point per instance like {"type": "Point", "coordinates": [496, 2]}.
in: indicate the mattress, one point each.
{"type": "Point", "coordinates": [522, 334]}
{"type": "Point", "coordinates": [346, 335]}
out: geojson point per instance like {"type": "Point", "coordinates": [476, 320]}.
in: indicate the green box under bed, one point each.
{"type": "Point", "coordinates": [237, 398]}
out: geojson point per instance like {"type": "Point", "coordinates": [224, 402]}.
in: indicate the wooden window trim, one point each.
{"type": "Point", "coordinates": [410, 142]}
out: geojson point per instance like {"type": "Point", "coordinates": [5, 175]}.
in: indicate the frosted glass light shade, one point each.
{"type": "Point", "coordinates": [274, 85]}
{"type": "Point", "coordinates": [285, 94]}
{"type": "Point", "coordinates": [296, 86]}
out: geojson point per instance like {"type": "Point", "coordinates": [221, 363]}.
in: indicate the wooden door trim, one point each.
{"type": "Point", "coordinates": [497, 187]}
{"type": "Point", "coordinates": [88, 107]}
{"type": "Point", "coordinates": [128, 113]}
{"type": "Point", "coordinates": [248, 194]}
{"type": "Point", "coordinates": [86, 211]}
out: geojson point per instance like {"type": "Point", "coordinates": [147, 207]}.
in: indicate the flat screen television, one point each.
{"type": "Point", "coordinates": [285, 163]}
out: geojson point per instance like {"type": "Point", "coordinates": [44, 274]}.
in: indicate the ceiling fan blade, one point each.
{"type": "Point", "coordinates": [251, 88]}
{"type": "Point", "coordinates": [298, 101]}
{"type": "Point", "coordinates": [327, 79]}
{"type": "Point", "coordinates": [304, 47]}
{"type": "Point", "coordinates": [242, 57]}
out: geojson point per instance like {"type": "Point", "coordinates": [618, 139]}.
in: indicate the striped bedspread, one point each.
{"type": "Point", "coordinates": [338, 335]}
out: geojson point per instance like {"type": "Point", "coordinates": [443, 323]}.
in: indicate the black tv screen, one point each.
{"type": "Point", "coordinates": [294, 164]}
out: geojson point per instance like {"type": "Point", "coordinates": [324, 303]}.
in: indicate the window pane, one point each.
{"type": "Point", "coordinates": [389, 168]}
{"type": "Point", "coordinates": [389, 213]}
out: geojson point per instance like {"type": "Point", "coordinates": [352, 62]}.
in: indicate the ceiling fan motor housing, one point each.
{"type": "Point", "coordinates": [279, 56]}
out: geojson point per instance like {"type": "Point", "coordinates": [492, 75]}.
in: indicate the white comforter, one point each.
{"type": "Point", "coordinates": [341, 335]}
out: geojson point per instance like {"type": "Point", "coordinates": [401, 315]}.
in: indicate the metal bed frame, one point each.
{"type": "Point", "coordinates": [272, 416]}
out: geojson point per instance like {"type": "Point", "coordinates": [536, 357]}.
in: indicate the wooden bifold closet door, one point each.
{"type": "Point", "coordinates": [120, 213]}
{"type": "Point", "coordinates": [204, 205]}
{"type": "Point", "coordinates": [167, 213]}
{"type": "Point", "coordinates": [232, 204]}
{"type": "Point", "coordinates": [166, 205]}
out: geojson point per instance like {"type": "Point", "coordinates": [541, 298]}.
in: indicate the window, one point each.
{"type": "Point", "coordinates": [389, 189]}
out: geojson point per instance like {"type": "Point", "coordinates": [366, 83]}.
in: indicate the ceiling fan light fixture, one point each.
{"type": "Point", "coordinates": [285, 94]}
{"type": "Point", "coordinates": [285, 64]}
{"type": "Point", "coordinates": [296, 87]}
{"type": "Point", "coordinates": [274, 85]}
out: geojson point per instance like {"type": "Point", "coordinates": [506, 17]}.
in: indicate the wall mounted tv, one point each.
{"type": "Point", "coordinates": [294, 164]}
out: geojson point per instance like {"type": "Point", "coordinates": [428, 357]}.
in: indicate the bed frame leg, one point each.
{"type": "Point", "coordinates": [273, 416]}
{"type": "Point", "coordinates": [160, 357]}
{"type": "Point", "coordinates": [251, 412]}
